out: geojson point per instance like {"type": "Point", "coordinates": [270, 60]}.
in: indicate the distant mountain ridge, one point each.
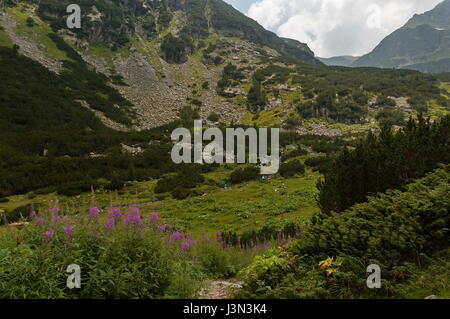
{"type": "Point", "coordinates": [424, 39]}
{"type": "Point", "coordinates": [345, 60]}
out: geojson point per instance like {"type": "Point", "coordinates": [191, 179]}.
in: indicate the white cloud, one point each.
{"type": "Point", "coordinates": [337, 27]}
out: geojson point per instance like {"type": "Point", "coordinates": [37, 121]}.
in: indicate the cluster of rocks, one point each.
{"type": "Point", "coordinates": [285, 87]}
{"type": "Point", "coordinates": [402, 104]}
{"type": "Point", "coordinates": [318, 129]}
{"type": "Point", "coordinates": [131, 149]}
{"type": "Point", "coordinates": [234, 91]}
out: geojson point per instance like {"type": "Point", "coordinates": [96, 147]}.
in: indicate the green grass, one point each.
{"type": "Point", "coordinates": [291, 97]}
{"type": "Point", "coordinates": [150, 49]}
{"type": "Point", "coordinates": [272, 118]}
{"type": "Point", "coordinates": [38, 33]}
{"type": "Point", "coordinates": [102, 51]}
{"type": "Point", "coordinates": [245, 206]}
{"type": "Point", "coordinates": [445, 86]}
{"type": "Point", "coordinates": [437, 111]}
{"type": "Point", "coordinates": [432, 280]}
{"type": "Point", "coordinates": [5, 40]}
{"type": "Point", "coordinates": [241, 207]}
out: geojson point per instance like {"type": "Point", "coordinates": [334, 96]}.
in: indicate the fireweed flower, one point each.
{"type": "Point", "coordinates": [116, 213]}
{"type": "Point", "coordinates": [134, 211]}
{"type": "Point", "coordinates": [110, 223]}
{"type": "Point", "coordinates": [55, 211]}
{"type": "Point", "coordinates": [68, 230]}
{"type": "Point", "coordinates": [176, 236]}
{"type": "Point", "coordinates": [93, 212]}
{"type": "Point", "coordinates": [133, 217]}
{"type": "Point", "coordinates": [49, 235]}
{"type": "Point", "coordinates": [154, 218]}
{"type": "Point", "coordinates": [56, 219]}
{"type": "Point", "coordinates": [40, 221]}
{"type": "Point", "coordinates": [32, 214]}
{"type": "Point", "coordinates": [185, 246]}
{"type": "Point", "coordinates": [162, 228]}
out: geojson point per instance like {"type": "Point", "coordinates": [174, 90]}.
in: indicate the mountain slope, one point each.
{"type": "Point", "coordinates": [116, 22]}
{"type": "Point", "coordinates": [339, 60]}
{"type": "Point", "coordinates": [160, 55]}
{"type": "Point", "coordinates": [425, 38]}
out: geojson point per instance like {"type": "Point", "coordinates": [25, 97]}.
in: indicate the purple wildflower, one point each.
{"type": "Point", "coordinates": [110, 223]}
{"type": "Point", "coordinates": [49, 235]}
{"type": "Point", "coordinates": [176, 236]}
{"type": "Point", "coordinates": [40, 221]}
{"type": "Point", "coordinates": [266, 246]}
{"type": "Point", "coordinates": [153, 218]}
{"type": "Point", "coordinates": [56, 219]}
{"type": "Point", "coordinates": [32, 214]}
{"type": "Point", "coordinates": [116, 213]}
{"type": "Point", "coordinates": [93, 212]}
{"type": "Point", "coordinates": [162, 228]}
{"type": "Point", "coordinates": [55, 211]}
{"type": "Point", "coordinates": [185, 246]}
{"type": "Point", "coordinates": [131, 219]}
{"type": "Point", "coordinates": [68, 230]}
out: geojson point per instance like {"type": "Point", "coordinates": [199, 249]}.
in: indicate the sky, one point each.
{"type": "Point", "coordinates": [334, 27]}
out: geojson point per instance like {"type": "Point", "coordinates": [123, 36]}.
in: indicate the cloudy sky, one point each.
{"type": "Point", "coordinates": [334, 27]}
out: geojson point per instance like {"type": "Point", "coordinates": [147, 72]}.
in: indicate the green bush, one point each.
{"type": "Point", "coordinates": [405, 233]}
{"type": "Point", "coordinates": [388, 160]}
{"type": "Point", "coordinates": [241, 175]}
{"type": "Point", "coordinates": [30, 22]}
{"type": "Point", "coordinates": [133, 266]}
{"type": "Point", "coordinates": [292, 168]}
{"type": "Point", "coordinates": [181, 193]}
{"type": "Point", "coordinates": [215, 260]}
{"type": "Point", "coordinates": [17, 214]}
{"type": "Point", "coordinates": [388, 117]}
{"type": "Point", "coordinates": [120, 263]}
{"type": "Point", "coordinates": [214, 117]}
{"type": "Point", "coordinates": [319, 163]}
{"type": "Point", "coordinates": [294, 153]}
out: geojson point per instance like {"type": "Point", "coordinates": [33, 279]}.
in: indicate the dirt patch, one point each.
{"type": "Point", "coordinates": [219, 289]}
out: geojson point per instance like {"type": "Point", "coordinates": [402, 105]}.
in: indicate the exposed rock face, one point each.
{"type": "Point", "coordinates": [319, 129]}
{"type": "Point", "coordinates": [131, 150]}
{"type": "Point", "coordinates": [156, 100]}
{"type": "Point", "coordinates": [402, 104]}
